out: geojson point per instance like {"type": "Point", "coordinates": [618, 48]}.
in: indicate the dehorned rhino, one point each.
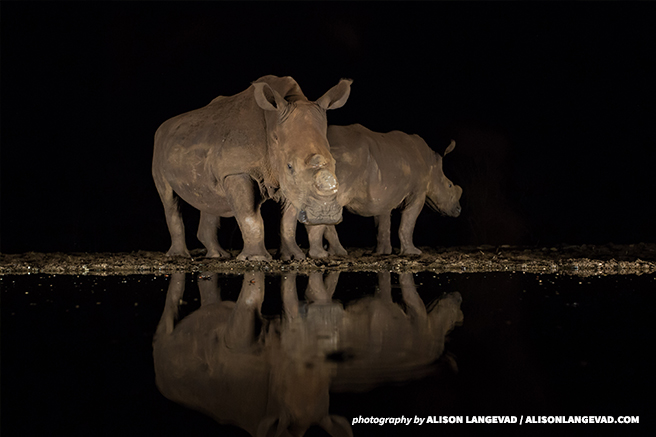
{"type": "Point", "coordinates": [272, 375]}
{"type": "Point", "coordinates": [377, 173]}
{"type": "Point", "coordinates": [227, 158]}
{"type": "Point", "coordinates": [267, 375]}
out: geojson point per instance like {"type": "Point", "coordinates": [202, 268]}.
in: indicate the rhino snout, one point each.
{"type": "Point", "coordinates": [326, 182]}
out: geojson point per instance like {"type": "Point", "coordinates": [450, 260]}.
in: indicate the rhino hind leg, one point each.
{"type": "Point", "coordinates": [173, 218]}
{"type": "Point", "coordinates": [384, 242]}
{"type": "Point", "coordinates": [407, 227]}
{"type": "Point", "coordinates": [241, 193]}
{"type": "Point", "coordinates": [207, 235]}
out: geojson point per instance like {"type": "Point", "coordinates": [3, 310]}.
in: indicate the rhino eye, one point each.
{"type": "Point", "coordinates": [290, 168]}
{"type": "Point", "coordinates": [450, 185]}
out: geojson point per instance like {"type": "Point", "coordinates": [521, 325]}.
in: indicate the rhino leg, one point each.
{"type": "Point", "coordinates": [288, 247]}
{"type": "Point", "coordinates": [207, 235]}
{"type": "Point", "coordinates": [173, 217]}
{"type": "Point", "coordinates": [407, 226]}
{"type": "Point", "coordinates": [415, 307]}
{"type": "Point", "coordinates": [241, 330]}
{"type": "Point", "coordinates": [334, 245]}
{"type": "Point", "coordinates": [208, 285]}
{"type": "Point", "coordinates": [315, 236]}
{"type": "Point", "coordinates": [320, 289]}
{"type": "Point", "coordinates": [240, 190]}
{"type": "Point", "coordinates": [384, 291]}
{"type": "Point", "coordinates": [289, 297]}
{"type": "Point", "coordinates": [173, 297]}
{"type": "Point", "coordinates": [384, 242]}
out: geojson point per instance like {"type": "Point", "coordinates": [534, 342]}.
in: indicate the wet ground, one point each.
{"type": "Point", "coordinates": [136, 344]}
{"type": "Point", "coordinates": [571, 259]}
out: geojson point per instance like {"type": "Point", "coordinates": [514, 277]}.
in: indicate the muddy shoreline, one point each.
{"type": "Point", "coordinates": [584, 260]}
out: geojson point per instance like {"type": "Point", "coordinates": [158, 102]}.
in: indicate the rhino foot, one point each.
{"type": "Point", "coordinates": [288, 255]}
{"type": "Point", "coordinates": [339, 251]}
{"type": "Point", "coordinates": [178, 252]}
{"type": "Point", "coordinates": [217, 254]}
{"type": "Point", "coordinates": [383, 251]}
{"type": "Point", "coordinates": [410, 251]}
{"type": "Point", "coordinates": [245, 256]}
{"type": "Point", "coordinates": [318, 253]}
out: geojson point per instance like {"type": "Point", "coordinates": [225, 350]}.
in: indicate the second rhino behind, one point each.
{"type": "Point", "coordinates": [379, 172]}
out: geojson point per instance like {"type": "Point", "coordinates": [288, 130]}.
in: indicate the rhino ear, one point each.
{"type": "Point", "coordinates": [267, 98]}
{"type": "Point", "coordinates": [450, 148]}
{"type": "Point", "coordinates": [336, 96]}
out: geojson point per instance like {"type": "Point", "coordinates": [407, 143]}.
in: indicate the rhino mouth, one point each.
{"type": "Point", "coordinates": [321, 214]}
{"type": "Point", "coordinates": [455, 212]}
{"type": "Point", "coordinates": [451, 212]}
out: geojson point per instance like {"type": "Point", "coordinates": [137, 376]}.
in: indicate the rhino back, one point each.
{"type": "Point", "coordinates": [196, 150]}
{"type": "Point", "coordinates": [378, 170]}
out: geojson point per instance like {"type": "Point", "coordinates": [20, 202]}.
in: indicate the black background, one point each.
{"type": "Point", "coordinates": [551, 106]}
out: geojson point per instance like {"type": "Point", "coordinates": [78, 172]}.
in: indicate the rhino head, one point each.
{"type": "Point", "coordinates": [299, 153]}
{"type": "Point", "coordinates": [443, 195]}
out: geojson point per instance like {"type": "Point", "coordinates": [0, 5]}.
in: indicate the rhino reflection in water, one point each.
{"type": "Point", "coordinates": [272, 376]}
{"type": "Point", "coordinates": [377, 173]}
{"type": "Point", "coordinates": [227, 158]}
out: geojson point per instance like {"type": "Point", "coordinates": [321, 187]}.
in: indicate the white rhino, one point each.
{"type": "Point", "coordinates": [227, 158]}
{"type": "Point", "coordinates": [272, 376]}
{"type": "Point", "coordinates": [377, 173]}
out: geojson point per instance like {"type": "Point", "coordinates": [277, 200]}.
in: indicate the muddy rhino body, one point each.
{"type": "Point", "coordinates": [227, 158]}
{"type": "Point", "coordinates": [379, 172]}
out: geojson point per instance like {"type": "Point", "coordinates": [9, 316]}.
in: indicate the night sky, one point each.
{"type": "Point", "coordinates": [551, 106]}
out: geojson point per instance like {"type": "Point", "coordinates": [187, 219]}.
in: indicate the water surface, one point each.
{"type": "Point", "coordinates": [258, 349]}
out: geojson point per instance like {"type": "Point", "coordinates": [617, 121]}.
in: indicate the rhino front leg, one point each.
{"type": "Point", "coordinates": [384, 243]}
{"type": "Point", "coordinates": [407, 226]}
{"type": "Point", "coordinates": [415, 307]}
{"type": "Point", "coordinates": [315, 237]}
{"type": "Point", "coordinates": [240, 191]}
{"type": "Point", "coordinates": [289, 297]}
{"type": "Point", "coordinates": [288, 247]}
{"type": "Point", "coordinates": [334, 245]}
{"type": "Point", "coordinates": [207, 235]}
{"type": "Point", "coordinates": [241, 331]}
{"type": "Point", "coordinates": [208, 285]}
{"type": "Point", "coordinates": [173, 217]}
{"type": "Point", "coordinates": [170, 314]}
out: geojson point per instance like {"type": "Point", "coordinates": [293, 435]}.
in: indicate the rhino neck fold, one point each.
{"type": "Point", "coordinates": [270, 184]}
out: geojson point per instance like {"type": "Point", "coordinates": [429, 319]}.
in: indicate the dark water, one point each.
{"type": "Point", "coordinates": [77, 353]}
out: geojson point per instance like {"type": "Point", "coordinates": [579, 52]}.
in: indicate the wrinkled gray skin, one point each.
{"type": "Point", "coordinates": [377, 173]}
{"type": "Point", "coordinates": [227, 158]}
{"type": "Point", "coordinates": [276, 380]}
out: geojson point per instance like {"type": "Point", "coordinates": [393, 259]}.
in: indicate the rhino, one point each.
{"type": "Point", "coordinates": [269, 381]}
{"type": "Point", "coordinates": [395, 341]}
{"type": "Point", "coordinates": [379, 172]}
{"type": "Point", "coordinates": [273, 375]}
{"type": "Point", "coordinates": [225, 159]}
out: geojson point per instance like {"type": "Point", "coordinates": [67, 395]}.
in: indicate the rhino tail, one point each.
{"type": "Point", "coordinates": [449, 149]}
